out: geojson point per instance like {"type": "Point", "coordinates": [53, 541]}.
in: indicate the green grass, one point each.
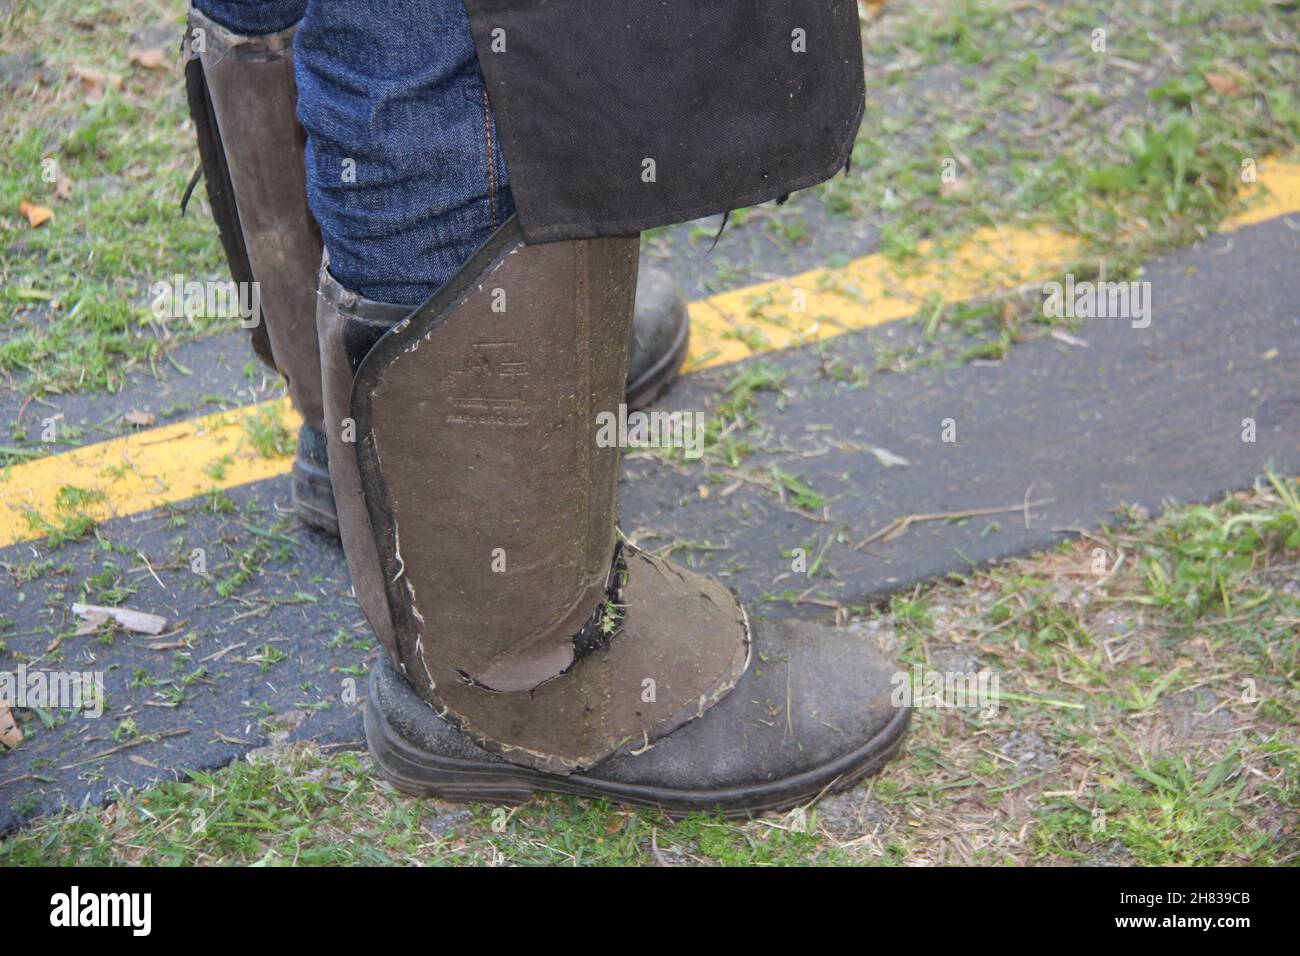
{"type": "Point", "coordinates": [75, 292]}
{"type": "Point", "coordinates": [1146, 717]}
{"type": "Point", "coordinates": [267, 433]}
{"type": "Point", "coordinates": [1131, 151]}
{"type": "Point", "coordinates": [299, 807]}
{"type": "Point", "coordinates": [70, 522]}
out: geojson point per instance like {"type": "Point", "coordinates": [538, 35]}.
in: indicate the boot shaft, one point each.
{"type": "Point", "coordinates": [479, 512]}
{"type": "Point", "coordinates": [243, 100]}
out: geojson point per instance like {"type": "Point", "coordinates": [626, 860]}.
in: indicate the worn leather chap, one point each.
{"type": "Point", "coordinates": [492, 511]}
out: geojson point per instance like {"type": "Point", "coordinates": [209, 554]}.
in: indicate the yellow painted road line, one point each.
{"type": "Point", "coordinates": [1281, 196]}
{"type": "Point", "coordinates": [139, 472]}
{"type": "Point", "coordinates": [869, 291]}
{"type": "Point", "coordinates": [873, 290]}
{"type": "Point", "coordinates": [135, 473]}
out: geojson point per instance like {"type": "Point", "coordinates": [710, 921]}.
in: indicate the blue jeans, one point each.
{"type": "Point", "coordinates": [404, 167]}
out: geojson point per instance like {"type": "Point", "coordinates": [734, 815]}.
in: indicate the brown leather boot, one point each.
{"type": "Point", "coordinates": [243, 98]}
{"type": "Point", "coordinates": [528, 647]}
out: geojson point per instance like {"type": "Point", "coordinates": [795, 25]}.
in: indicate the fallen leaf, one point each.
{"type": "Point", "coordinates": [874, 7]}
{"type": "Point", "coordinates": [93, 82]}
{"type": "Point", "coordinates": [36, 215]}
{"type": "Point", "coordinates": [1223, 85]}
{"type": "Point", "coordinates": [135, 417]}
{"type": "Point", "coordinates": [151, 58]}
{"type": "Point", "coordinates": [139, 621]}
{"type": "Point", "coordinates": [11, 734]}
{"type": "Point", "coordinates": [92, 85]}
{"type": "Point", "coordinates": [63, 187]}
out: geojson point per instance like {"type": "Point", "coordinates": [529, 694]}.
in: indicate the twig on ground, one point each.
{"type": "Point", "coordinates": [899, 526]}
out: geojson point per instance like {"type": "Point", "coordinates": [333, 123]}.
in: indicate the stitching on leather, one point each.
{"type": "Point", "coordinates": [491, 166]}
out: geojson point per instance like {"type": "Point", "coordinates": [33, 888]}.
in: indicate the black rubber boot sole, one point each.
{"type": "Point", "coordinates": [459, 779]}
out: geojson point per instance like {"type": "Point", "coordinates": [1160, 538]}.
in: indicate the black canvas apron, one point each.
{"type": "Point", "coordinates": [620, 115]}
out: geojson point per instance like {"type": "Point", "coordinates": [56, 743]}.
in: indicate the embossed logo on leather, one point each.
{"type": "Point", "coordinates": [496, 371]}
